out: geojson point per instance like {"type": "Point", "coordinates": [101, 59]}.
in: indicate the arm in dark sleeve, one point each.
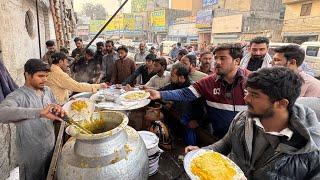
{"type": "Point", "coordinates": [73, 54]}
{"type": "Point", "coordinates": [224, 146]}
{"type": "Point", "coordinates": [314, 168]}
{"type": "Point", "coordinates": [133, 68]}
{"type": "Point", "coordinates": [184, 94]}
{"type": "Point", "coordinates": [114, 74]}
{"type": "Point", "coordinates": [166, 88]}
{"type": "Point", "coordinates": [133, 76]}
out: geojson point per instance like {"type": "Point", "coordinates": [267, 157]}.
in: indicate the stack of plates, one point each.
{"type": "Point", "coordinates": [151, 141]}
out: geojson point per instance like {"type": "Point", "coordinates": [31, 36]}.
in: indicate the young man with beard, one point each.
{"type": "Point", "coordinates": [30, 108]}
{"type": "Point", "coordinates": [162, 78]}
{"type": "Point", "coordinates": [62, 85]}
{"type": "Point", "coordinates": [223, 91]}
{"type": "Point", "coordinates": [179, 78]}
{"type": "Point", "coordinates": [292, 56]}
{"type": "Point", "coordinates": [124, 67]}
{"type": "Point", "coordinates": [275, 138]}
{"type": "Point", "coordinates": [181, 110]}
{"type": "Point", "coordinates": [258, 56]}
{"type": "Point", "coordinates": [190, 61]}
{"type": "Point", "coordinates": [99, 53]}
{"type": "Point", "coordinates": [206, 60]}
{"type": "Point", "coordinates": [51, 47]}
{"type": "Point", "coordinates": [79, 51]}
{"type": "Point", "coordinates": [108, 62]}
{"type": "Point", "coordinates": [86, 69]}
{"type": "Point", "coordinates": [146, 71]}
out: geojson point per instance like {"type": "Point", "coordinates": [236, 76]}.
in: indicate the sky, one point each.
{"type": "Point", "coordinates": [110, 5]}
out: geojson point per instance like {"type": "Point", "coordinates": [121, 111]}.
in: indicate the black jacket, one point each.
{"type": "Point", "coordinates": [297, 158]}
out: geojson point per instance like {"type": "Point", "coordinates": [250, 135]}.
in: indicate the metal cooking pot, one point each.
{"type": "Point", "coordinates": [117, 152]}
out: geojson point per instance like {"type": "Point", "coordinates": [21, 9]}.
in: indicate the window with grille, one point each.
{"type": "Point", "coordinates": [306, 9]}
{"type": "Point", "coordinates": [312, 51]}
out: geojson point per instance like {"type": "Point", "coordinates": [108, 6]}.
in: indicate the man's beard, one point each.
{"type": "Point", "coordinates": [258, 57]}
{"type": "Point", "coordinates": [220, 71]}
{"type": "Point", "coordinates": [266, 114]}
{"type": "Point", "coordinates": [123, 57]}
{"type": "Point", "coordinates": [206, 65]}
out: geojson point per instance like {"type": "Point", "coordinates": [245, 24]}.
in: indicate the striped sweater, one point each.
{"type": "Point", "coordinates": [223, 100]}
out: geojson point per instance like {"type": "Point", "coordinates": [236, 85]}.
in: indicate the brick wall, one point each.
{"type": "Point", "coordinates": [17, 46]}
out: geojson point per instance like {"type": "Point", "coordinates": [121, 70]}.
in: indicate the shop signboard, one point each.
{"type": "Point", "coordinates": [158, 20]}
{"type": "Point", "coordinates": [204, 19]}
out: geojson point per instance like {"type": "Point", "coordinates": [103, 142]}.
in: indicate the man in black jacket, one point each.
{"type": "Point", "coordinates": [275, 138]}
{"type": "Point", "coordinates": [146, 71]}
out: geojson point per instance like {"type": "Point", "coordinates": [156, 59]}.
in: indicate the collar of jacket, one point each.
{"type": "Point", "coordinates": [303, 120]}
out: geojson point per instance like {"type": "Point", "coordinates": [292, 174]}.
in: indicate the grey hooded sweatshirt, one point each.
{"type": "Point", "coordinates": [264, 156]}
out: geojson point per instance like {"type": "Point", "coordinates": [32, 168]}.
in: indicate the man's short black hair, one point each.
{"type": "Point", "coordinates": [99, 44]}
{"type": "Point", "coordinates": [151, 57]}
{"type": "Point", "coordinates": [110, 41]}
{"type": "Point", "coordinates": [50, 43]}
{"type": "Point", "coordinates": [33, 66]}
{"type": "Point", "coordinates": [77, 39]}
{"type": "Point", "coordinates": [192, 59]}
{"type": "Point", "coordinates": [235, 50]}
{"type": "Point", "coordinates": [162, 61]}
{"type": "Point", "coordinates": [89, 52]}
{"type": "Point", "coordinates": [124, 48]}
{"type": "Point", "coordinates": [277, 83]}
{"type": "Point", "coordinates": [182, 52]}
{"type": "Point", "coordinates": [181, 70]}
{"type": "Point", "coordinates": [205, 53]}
{"type": "Point", "coordinates": [292, 51]}
{"type": "Point", "coordinates": [56, 57]}
{"type": "Point", "coordinates": [178, 44]}
{"type": "Point", "coordinates": [260, 40]}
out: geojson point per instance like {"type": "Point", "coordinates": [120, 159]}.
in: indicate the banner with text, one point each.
{"type": "Point", "coordinates": [158, 20]}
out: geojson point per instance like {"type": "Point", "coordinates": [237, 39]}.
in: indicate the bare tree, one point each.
{"type": "Point", "coordinates": [94, 11]}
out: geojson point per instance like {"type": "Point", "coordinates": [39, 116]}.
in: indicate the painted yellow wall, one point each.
{"type": "Point", "coordinates": [238, 5]}
{"type": "Point", "coordinates": [293, 22]}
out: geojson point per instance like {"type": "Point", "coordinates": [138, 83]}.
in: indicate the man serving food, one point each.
{"type": "Point", "coordinates": [30, 107]}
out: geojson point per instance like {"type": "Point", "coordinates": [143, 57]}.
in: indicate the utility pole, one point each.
{"type": "Point", "coordinates": [120, 2]}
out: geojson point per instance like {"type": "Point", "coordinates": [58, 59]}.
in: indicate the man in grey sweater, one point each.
{"type": "Point", "coordinates": [30, 108]}
{"type": "Point", "coordinates": [275, 138]}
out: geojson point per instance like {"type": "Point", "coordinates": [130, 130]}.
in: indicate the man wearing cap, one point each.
{"type": "Point", "coordinates": [30, 107]}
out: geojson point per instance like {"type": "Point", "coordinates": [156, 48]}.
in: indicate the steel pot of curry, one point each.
{"type": "Point", "coordinates": [114, 151]}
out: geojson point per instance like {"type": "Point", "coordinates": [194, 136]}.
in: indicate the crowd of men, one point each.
{"type": "Point", "coordinates": [264, 109]}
